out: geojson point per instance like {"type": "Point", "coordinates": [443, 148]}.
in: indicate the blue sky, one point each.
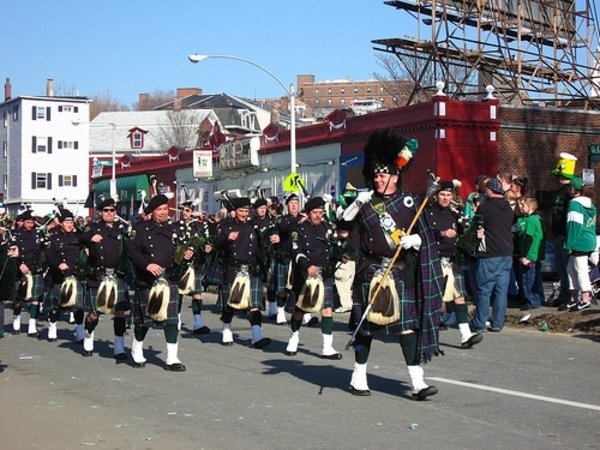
{"type": "Point", "coordinates": [131, 46]}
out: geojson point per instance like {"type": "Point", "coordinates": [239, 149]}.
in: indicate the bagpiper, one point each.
{"type": "Point", "coordinates": [194, 233]}
{"type": "Point", "coordinates": [313, 242]}
{"type": "Point", "coordinates": [105, 269]}
{"type": "Point", "coordinates": [408, 303]}
{"type": "Point", "coordinates": [29, 288]}
{"type": "Point", "coordinates": [151, 250]}
{"type": "Point", "coordinates": [446, 223]}
{"type": "Point", "coordinates": [242, 287]}
{"type": "Point", "coordinates": [66, 290]}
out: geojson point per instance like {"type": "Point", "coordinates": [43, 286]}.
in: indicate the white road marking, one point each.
{"type": "Point", "coordinates": [516, 393]}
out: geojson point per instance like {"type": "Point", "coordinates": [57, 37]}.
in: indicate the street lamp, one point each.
{"type": "Point", "coordinates": [113, 178]}
{"type": "Point", "coordinates": [290, 92]}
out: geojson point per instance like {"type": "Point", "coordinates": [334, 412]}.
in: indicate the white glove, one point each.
{"type": "Point", "coordinates": [411, 241]}
{"type": "Point", "coordinates": [352, 210]}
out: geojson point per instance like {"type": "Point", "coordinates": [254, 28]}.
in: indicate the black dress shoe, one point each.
{"type": "Point", "coordinates": [273, 317]}
{"type": "Point", "coordinates": [52, 339]}
{"type": "Point", "coordinates": [121, 356]}
{"type": "Point", "coordinates": [290, 353]}
{"type": "Point", "coordinates": [312, 322]}
{"type": "Point", "coordinates": [137, 365]}
{"type": "Point", "coordinates": [202, 330]}
{"type": "Point", "coordinates": [424, 393]}
{"type": "Point", "coordinates": [33, 335]}
{"type": "Point", "coordinates": [475, 339]}
{"type": "Point", "coordinates": [177, 367]}
{"type": "Point", "coordinates": [87, 353]}
{"type": "Point", "coordinates": [16, 332]}
{"type": "Point", "coordinates": [262, 343]}
{"type": "Point", "coordinates": [360, 393]}
{"type": "Point", "coordinates": [226, 344]}
{"type": "Point", "coordinates": [333, 357]}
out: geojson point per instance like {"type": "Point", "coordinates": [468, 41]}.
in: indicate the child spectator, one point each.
{"type": "Point", "coordinates": [531, 251]}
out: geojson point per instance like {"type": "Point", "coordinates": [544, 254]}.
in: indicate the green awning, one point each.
{"type": "Point", "coordinates": [127, 188]}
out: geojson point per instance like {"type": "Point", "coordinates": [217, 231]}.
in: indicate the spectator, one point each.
{"type": "Point", "coordinates": [580, 242]}
{"type": "Point", "coordinates": [505, 178]}
{"type": "Point", "coordinates": [564, 172]}
{"type": "Point", "coordinates": [531, 252]}
{"type": "Point", "coordinates": [494, 258]}
{"type": "Point", "coordinates": [477, 193]}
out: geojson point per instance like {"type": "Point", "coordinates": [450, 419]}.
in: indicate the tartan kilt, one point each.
{"type": "Point", "coordinates": [122, 304]}
{"type": "Point", "coordinates": [360, 298]}
{"type": "Point", "coordinates": [256, 295]}
{"type": "Point", "coordinates": [279, 278]}
{"type": "Point", "coordinates": [37, 294]}
{"type": "Point", "coordinates": [214, 271]}
{"type": "Point", "coordinates": [53, 296]}
{"type": "Point", "coordinates": [329, 295]}
{"type": "Point", "coordinates": [271, 274]}
{"type": "Point", "coordinates": [198, 279]}
{"type": "Point", "coordinates": [460, 287]}
{"type": "Point", "coordinates": [140, 305]}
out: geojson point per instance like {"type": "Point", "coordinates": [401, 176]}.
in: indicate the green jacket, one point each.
{"type": "Point", "coordinates": [531, 238]}
{"type": "Point", "coordinates": [581, 226]}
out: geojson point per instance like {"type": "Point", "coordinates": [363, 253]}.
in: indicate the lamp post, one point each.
{"type": "Point", "coordinates": [290, 92]}
{"type": "Point", "coordinates": [113, 178]}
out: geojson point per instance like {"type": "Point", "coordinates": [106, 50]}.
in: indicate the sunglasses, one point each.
{"type": "Point", "coordinates": [109, 210]}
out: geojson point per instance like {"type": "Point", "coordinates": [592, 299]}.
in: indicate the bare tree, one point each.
{"type": "Point", "coordinates": [412, 78]}
{"type": "Point", "coordinates": [180, 129]}
{"type": "Point", "coordinates": [157, 98]}
{"type": "Point", "coordinates": [105, 102]}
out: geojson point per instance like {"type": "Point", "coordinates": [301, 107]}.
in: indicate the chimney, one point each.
{"type": "Point", "coordinates": [49, 88]}
{"type": "Point", "coordinates": [7, 90]}
{"type": "Point", "coordinates": [186, 92]}
{"type": "Point", "coordinates": [143, 100]}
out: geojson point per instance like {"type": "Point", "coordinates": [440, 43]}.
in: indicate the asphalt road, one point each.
{"type": "Point", "coordinates": [516, 390]}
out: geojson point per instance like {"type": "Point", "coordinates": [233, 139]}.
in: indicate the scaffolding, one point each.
{"type": "Point", "coordinates": [534, 52]}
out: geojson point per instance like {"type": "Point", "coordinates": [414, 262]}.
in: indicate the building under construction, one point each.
{"type": "Point", "coordinates": [533, 52]}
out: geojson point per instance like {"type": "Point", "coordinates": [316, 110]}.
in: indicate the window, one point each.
{"type": "Point", "coordinates": [329, 102]}
{"type": "Point", "coordinates": [368, 90]}
{"type": "Point", "coordinates": [343, 101]}
{"type": "Point", "coordinates": [5, 118]}
{"type": "Point", "coordinates": [381, 90]}
{"type": "Point", "coordinates": [40, 180]}
{"type": "Point", "coordinates": [15, 113]}
{"type": "Point", "coordinates": [317, 102]}
{"type": "Point", "coordinates": [342, 91]}
{"type": "Point", "coordinates": [355, 90]}
{"type": "Point", "coordinates": [316, 92]}
{"type": "Point", "coordinates": [68, 144]}
{"type": "Point", "coordinates": [41, 112]}
{"type": "Point", "coordinates": [5, 149]}
{"type": "Point", "coordinates": [137, 140]}
{"type": "Point", "coordinates": [65, 108]}
{"type": "Point", "coordinates": [329, 91]}
{"type": "Point", "coordinates": [5, 180]}
{"type": "Point", "coordinates": [67, 180]}
{"type": "Point", "coordinates": [41, 144]}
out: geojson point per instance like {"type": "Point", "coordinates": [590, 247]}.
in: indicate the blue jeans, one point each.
{"type": "Point", "coordinates": [493, 275]}
{"type": "Point", "coordinates": [533, 289]}
{"type": "Point", "coordinates": [561, 259]}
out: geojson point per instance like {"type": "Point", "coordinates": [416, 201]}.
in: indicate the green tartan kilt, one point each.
{"type": "Point", "coordinates": [271, 274]}
{"type": "Point", "coordinates": [37, 292]}
{"type": "Point", "coordinates": [122, 304]}
{"type": "Point", "coordinates": [214, 270]}
{"type": "Point", "coordinates": [140, 305]}
{"type": "Point", "coordinates": [199, 272]}
{"type": "Point", "coordinates": [360, 297]}
{"type": "Point", "coordinates": [256, 295]}
{"type": "Point", "coordinates": [280, 276]}
{"type": "Point", "coordinates": [53, 297]}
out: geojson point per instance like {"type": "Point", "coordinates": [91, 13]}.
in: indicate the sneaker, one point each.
{"type": "Point", "coordinates": [494, 330]}
{"type": "Point", "coordinates": [586, 305]}
{"type": "Point", "coordinates": [571, 306]}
